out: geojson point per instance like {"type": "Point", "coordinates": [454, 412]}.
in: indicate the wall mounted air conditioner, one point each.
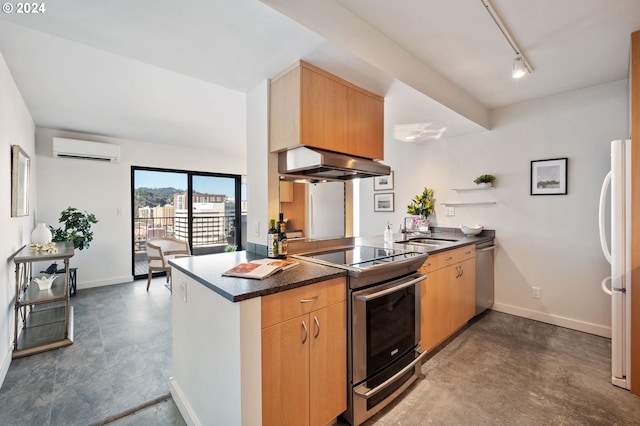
{"type": "Point", "coordinates": [85, 150]}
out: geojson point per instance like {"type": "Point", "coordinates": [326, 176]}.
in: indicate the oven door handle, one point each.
{"type": "Point", "coordinates": [367, 297]}
{"type": "Point", "coordinates": [364, 392]}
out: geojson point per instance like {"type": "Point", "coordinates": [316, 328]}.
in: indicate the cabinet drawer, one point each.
{"type": "Point", "coordinates": [458, 255]}
{"type": "Point", "coordinates": [431, 264]}
{"type": "Point", "coordinates": [450, 257]}
{"type": "Point", "coordinates": [288, 304]}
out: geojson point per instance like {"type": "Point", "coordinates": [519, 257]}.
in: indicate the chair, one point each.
{"type": "Point", "coordinates": [160, 251]}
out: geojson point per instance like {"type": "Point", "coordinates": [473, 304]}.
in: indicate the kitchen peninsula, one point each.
{"type": "Point", "coordinates": [230, 337]}
{"type": "Point", "coordinates": [218, 329]}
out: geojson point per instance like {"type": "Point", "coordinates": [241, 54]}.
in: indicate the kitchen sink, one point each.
{"type": "Point", "coordinates": [430, 241]}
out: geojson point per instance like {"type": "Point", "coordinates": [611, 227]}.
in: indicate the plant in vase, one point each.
{"type": "Point", "coordinates": [422, 205]}
{"type": "Point", "coordinates": [484, 180]}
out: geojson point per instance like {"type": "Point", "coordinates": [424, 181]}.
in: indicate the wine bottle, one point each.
{"type": "Point", "coordinates": [272, 241]}
{"type": "Point", "coordinates": [282, 238]}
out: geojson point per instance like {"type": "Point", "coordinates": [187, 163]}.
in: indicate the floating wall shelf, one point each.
{"type": "Point", "coordinates": [473, 189]}
{"type": "Point", "coordinates": [478, 203]}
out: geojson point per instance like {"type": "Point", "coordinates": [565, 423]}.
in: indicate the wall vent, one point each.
{"type": "Point", "coordinates": [85, 150]}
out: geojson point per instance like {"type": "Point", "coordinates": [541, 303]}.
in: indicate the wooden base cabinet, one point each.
{"type": "Point", "coordinates": [447, 295]}
{"type": "Point", "coordinates": [304, 349]}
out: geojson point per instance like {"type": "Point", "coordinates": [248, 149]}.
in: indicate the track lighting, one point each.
{"type": "Point", "coordinates": [520, 64]}
{"type": "Point", "coordinates": [519, 68]}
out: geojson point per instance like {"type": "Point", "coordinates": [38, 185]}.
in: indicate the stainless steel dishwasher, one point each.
{"type": "Point", "coordinates": [484, 275]}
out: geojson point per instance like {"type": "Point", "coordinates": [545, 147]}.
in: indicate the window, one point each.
{"type": "Point", "coordinates": [207, 210]}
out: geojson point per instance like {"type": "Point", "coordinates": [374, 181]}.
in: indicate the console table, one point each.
{"type": "Point", "coordinates": [43, 318]}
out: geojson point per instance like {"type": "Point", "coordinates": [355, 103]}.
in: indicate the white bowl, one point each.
{"type": "Point", "coordinates": [471, 230]}
{"type": "Point", "coordinates": [45, 282]}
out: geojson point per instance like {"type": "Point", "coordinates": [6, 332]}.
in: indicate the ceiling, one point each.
{"type": "Point", "coordinates": [178, 73]}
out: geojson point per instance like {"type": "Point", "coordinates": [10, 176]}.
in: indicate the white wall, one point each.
{"type": "Point", "coordinates": [262, 167]}
{"type": "Point", "coordinates": [104, 189]}
{"type": "Point", "coordinates": [16, 128]}
{"type": "Point", "coordinates": [549, 242]}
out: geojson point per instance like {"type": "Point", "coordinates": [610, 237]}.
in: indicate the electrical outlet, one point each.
{"type": "Point", "coordinates": [183, 291]}
{"type": "Point", "coordinates": [535, 292]}
{"type": "Point", "coordinates": [256, 229]}
{"type": "Point", "coordinates": [451, 211]}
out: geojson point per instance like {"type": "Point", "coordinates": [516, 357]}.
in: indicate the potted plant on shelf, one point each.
{"type": "Point", "coordinates": [484, 181]}
{"type": "Point", "coordinates": [422, 205]}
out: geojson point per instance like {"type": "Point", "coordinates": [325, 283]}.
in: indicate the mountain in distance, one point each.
{"type": "Point", "coordinates": [155, 197]}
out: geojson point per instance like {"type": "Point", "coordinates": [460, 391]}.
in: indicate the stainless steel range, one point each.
{"type": "Point", "coordinates": [384, 355]}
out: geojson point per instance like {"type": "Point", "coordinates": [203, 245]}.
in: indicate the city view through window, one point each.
{"type": "Point", "coordinates": [194, 207]}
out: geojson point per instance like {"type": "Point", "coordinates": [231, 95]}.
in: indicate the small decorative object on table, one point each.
{"type": "Point", "coordinates": [44, 248]}
{"type": "Point", "coordinates": [45, 282]}
{"type": "Point", "coordinates": [484, 181]}
{"type": "Point", "coordinates": [41, 235]}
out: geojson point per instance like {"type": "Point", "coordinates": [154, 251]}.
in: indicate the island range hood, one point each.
{"type": "Point", "coordinates": [316, 165]}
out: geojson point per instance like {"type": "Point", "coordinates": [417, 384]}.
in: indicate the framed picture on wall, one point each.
{"type": "Point", "coordinates": [383, 202]}
{"type": "Point", "coordinates": [549, 177]}
{"type": "Point", "coordinates": [20, 169]}
{"type": "Point", "coordinates": [383, 183]}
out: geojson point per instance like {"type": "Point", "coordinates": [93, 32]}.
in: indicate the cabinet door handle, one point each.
{"type": "Point", "coordinates": [461, 271]}
{"type": "Point", "coordinates": [313, 299]}
{"type": "Point", "coordinates": [306, 332]}
{"type": "Point", "coordinates": [449, 258]}
{"type": "Point", "coordinates": [315, 319]}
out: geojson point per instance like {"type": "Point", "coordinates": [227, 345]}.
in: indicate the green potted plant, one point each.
{"type": "Point", "coordinates": [484, 180]}
{"type": "Point", "coordinates": [76, 228]}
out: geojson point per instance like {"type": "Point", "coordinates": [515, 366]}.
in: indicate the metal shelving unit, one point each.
{"type": "Point", "coordinates": [43, 318]}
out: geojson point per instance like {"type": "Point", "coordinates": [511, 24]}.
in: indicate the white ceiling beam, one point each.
{"type": "Point", "coordinates": [348, 31]}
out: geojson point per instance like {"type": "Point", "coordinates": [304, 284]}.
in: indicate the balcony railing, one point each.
{"type": "Point", "coordinates": [211, 234]}
{"type": "Point", "coordinates": [207, 230]}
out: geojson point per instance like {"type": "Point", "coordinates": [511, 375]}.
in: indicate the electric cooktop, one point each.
{"type": "Point", "coordinates": [359, 257]}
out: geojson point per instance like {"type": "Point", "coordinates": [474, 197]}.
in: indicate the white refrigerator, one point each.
{"type": "Point", "coordinates": [618, 285]}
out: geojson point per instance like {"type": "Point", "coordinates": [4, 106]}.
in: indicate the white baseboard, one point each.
{"type": "Point", "coordinates": [183, 405]}
{"type": "Point", "coordinates": [102, 283]}
{"type": "Point", "coordinates": [4, 367]}
{"type": "Point", "coordinates": [586, 327]}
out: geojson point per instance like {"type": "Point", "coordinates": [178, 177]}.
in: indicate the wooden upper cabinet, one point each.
{"type": "Point", "coordinates": [323, 115]}
{"type": "Point", "coordinates": [366, 126]}
{"type": "Point", "coordinates": [309, 106]}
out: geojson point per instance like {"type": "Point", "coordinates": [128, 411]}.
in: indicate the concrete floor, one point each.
{"type": "Point", "coordinates": [506, 370]}
{"type": "Point", "coordinates": [120, 359]}
{"type": "Point", "coordinates": [501, 370]}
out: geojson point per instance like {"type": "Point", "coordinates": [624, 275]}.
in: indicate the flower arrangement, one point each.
{"type": "Point", "coordinates": [422, 204]}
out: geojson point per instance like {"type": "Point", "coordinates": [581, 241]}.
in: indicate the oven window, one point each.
{"type": "Point", "coordinates": [390, 328]}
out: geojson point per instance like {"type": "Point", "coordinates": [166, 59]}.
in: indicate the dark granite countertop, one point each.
{"type": "Point", "coordinates": [208, 269]}
{"type": "Point", "coordinates": [446, 233]}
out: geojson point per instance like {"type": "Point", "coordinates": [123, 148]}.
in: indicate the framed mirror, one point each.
{"type": "Point", "coordinates": [20, 172]}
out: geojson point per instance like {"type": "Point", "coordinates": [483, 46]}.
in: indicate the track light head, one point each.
{"type": "Point", "coordinates": [519, 69]}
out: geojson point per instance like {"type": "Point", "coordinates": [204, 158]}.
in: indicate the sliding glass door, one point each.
{"type": "Point", "coordinates": [204, 209]}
